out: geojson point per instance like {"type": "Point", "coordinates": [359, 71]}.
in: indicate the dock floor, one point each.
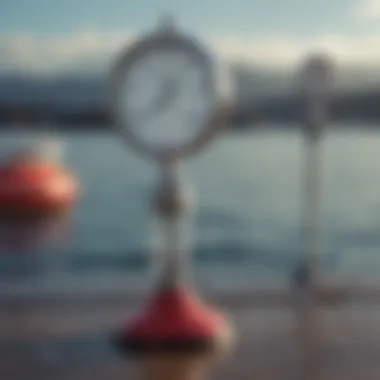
{"type": "Point", "coordinates": [69, 343]}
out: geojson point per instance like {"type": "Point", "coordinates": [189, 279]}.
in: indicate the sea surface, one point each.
{"type": "Point", "coordinates": [248, 198]}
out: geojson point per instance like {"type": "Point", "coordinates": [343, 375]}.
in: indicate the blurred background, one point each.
{"type": "Point", "coordinates": [54, 62]}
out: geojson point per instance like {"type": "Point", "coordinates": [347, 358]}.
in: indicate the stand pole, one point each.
{"type": "Point", "coordinates": [317, 76]}
{"type": "Point", "coordinates": [312, 235]}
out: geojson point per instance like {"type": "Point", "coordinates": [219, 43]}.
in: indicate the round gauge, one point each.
{"type": "Point", "coordinates": [163, 95]}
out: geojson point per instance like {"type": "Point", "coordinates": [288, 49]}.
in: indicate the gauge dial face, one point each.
{"type": "Point", "coordinates": [165, 99]}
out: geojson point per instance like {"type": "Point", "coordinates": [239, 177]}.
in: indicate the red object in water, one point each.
{"type": "Point", "coordinates": [30, 188]}
{"type": "Point", "coordinates": [175, 321]}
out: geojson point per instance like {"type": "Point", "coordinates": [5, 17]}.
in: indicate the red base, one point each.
{"type": "Point", "coordinates": [176, 320]}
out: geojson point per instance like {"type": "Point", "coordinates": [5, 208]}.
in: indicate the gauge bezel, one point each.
{"type": "Point", "coordinates": [174, 42]}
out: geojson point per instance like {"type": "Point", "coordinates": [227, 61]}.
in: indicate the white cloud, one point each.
{"type": "Point", "coordinates": [366, 10]}
{"type": "Point", "coordinates": [51, 54]}
{"type": "Point", "coordinates": [93, 49]}
{"type": "Point", "coordinates": [283, 52]}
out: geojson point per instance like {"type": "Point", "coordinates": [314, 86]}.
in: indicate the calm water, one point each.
{"type": "Point", "coordinates": [248, 191]}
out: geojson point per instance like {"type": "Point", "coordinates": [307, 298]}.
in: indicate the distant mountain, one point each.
{"type": "Point", "coordinates": [258, 83]}
{"type": "Point", "coordinates": [261, 94]}
{"type": "Point", "coordinates": [253, 85]}
{"type": "Point", "coordinates": [56, 91]}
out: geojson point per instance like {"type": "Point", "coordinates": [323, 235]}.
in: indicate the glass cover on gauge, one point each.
{"type": "Point", "coordinates": [164, 99]}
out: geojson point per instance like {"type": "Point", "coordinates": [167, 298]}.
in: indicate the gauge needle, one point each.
{"type": "Point", "coordinates": [166, 96]}
{"type": "Point", "coordinates": [163, 100]}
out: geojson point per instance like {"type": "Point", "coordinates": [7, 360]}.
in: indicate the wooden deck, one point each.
{"type": "Point", "coordinates": [66, 339]}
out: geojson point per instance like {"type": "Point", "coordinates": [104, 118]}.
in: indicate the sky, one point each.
{"type": "Point", "coordinates": [50, 35]}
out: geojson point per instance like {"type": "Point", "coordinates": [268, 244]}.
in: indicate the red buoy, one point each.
{"type": "Point", "coordinates": [30, 188]}
{"type": "Point", "coordinates": [176, 321]}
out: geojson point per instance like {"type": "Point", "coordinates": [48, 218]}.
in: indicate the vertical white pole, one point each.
{"type": "Point", "coordinates": [312, 236]}
{"type": "Point", "coordinates": [317, 81]}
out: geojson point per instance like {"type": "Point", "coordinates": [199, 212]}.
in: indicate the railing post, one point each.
{"type": "Point", "coordinates": [316, 86]}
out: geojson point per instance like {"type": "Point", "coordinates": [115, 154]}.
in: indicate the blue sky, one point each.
{"type": "Point", "coordinates": [236, 17]}
{"type": "Point", "coordinates": [48, 33]}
